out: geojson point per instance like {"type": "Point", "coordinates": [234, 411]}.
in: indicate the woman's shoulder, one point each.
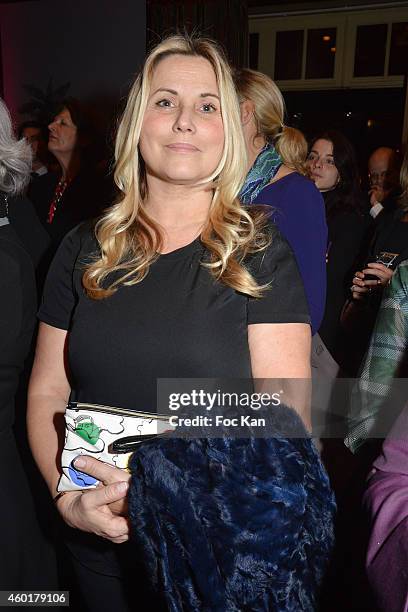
{"type": "Point", "coordinates": [295, 185]}
{"type": "Point", "coordinates": [296, 178]}
{"type": "Point", "coordinates": [275, 244]}
{"type": "Point", "coordinates": [42, 188]}
{"type": "Point", "coordinates": [45, 181]}
{"type": "Point", "coordinates": [10, 243]}
{"type": "Point", "coordinates": [303, 185]}
{"type": "Point", "coordinates": [79, 243]}
{"type": "Point", "coordinates": [15, 261]}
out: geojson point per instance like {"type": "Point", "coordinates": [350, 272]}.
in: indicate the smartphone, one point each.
{"type": "Point", "coordinates": [385, 258]}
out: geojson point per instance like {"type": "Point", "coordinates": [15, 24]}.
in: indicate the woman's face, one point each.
{"type": "Point", "coordinates": [182, 136]}
{"type": "Point", "coordinates": [63, 136]}
{"type": "Point", "coordinates": [320, 162]}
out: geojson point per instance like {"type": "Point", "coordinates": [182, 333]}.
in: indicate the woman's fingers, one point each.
{"type": "Point", "coordinates": [379, 269]}
{"type": "Point", "coordinates": [91, 511]}
{"type": "Point", "coordinates": [382, 275]}
{"type": "Point", "coordinates": [102, 496]}
{"type": "Point", "coordinates": [358, 281]}
{"type": "Point", "coordinates": [358, 288]}
{"type": "Point", "coordinates": [108, 474]}
{"type": "Point", "coordinates": [361, 284]}
{"type": "Point", "coordinates": [358, 292]}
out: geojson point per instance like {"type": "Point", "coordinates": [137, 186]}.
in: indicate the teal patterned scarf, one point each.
{"type": "Point", "coordinates": [262, 172]}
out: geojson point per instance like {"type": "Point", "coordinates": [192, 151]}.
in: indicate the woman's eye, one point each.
{"type": "Point", "coordinates": [164, 103]}
{"type": "Point", "coordinates": [208, 108]}
{"type": "Point", "coordinates": [330, 162]}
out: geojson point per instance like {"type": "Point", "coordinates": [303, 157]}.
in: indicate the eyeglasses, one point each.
{"type": "Point", "coordinates": [324, 161]}
{"type": "Point", "coordinates": [375, 176]}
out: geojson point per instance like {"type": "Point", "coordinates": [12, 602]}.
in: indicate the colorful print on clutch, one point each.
{"type": "Point", "coordinates": [107, 433]}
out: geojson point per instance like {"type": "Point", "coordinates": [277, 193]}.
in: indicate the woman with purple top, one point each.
{"type": "Point", "coordinates": [276, 156]}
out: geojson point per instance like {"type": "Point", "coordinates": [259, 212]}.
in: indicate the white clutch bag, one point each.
{"type": "Point", "coordinates": [107, 433]}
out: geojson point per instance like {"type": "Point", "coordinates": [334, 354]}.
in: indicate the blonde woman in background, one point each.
{"type": "Point", "coordinates": [276, 177]}
{"type": "Point", "coordinates": [178, 280]}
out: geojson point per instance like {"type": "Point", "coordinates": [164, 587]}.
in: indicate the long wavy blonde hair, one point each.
{"type": "Point", "coordinates": [129, 239]}
{"type": "Point", "coordinates": [269, 113]}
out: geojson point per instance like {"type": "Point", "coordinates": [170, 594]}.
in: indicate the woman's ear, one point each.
{"type": "Point", "coordinates": [247, 111]}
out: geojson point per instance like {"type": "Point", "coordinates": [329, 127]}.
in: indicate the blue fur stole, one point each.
{"type": "Point", "coordinates": [233, 525]}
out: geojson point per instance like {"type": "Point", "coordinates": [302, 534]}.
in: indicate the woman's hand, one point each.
{"type": "Point", "coordinates": [98, 510]}
{"type": "Point", "coordinates": [107, 475]}
{"type": "Point", "coordinates": [362, 286]}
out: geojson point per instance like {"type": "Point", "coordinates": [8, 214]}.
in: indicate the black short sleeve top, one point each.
{"type": "Point", "coordinates": [177, 322]}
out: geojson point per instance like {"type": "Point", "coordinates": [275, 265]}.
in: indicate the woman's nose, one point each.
{"type": "Point", "coordinates": [184, 121]}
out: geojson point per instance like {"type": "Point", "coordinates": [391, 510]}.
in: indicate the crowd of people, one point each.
{"type": "Point", "coordinates": [223, 246]}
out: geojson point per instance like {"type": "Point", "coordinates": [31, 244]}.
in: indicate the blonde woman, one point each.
{"type": "Point", "coordinates": [177, 280]}
{"type": "Point", "coordinates": [276, 177]}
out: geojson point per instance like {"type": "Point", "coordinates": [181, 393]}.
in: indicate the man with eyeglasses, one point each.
{"type": "Point", "coordinates": [383, 171]}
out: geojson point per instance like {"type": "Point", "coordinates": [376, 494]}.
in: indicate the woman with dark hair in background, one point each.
{"type": "Point", "coordinates": [276, 168]}
{"type": "Point", "coordinates": [77, 191]}
{"type": "Point", "coordinates": [26, 562]}
{"type": "Point", "coordinates": [334, 170]}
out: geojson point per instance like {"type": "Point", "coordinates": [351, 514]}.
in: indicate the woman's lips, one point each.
{"type": "Point", "coordinates": [182, 147]}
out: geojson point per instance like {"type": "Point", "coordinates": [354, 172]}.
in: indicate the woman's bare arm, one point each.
{"type": "Point", "coordinates": [49, 389]}
{"type": "Point", "coordinates": [48, 395]}
{"type": "Point", "coordinates": [280, 360]}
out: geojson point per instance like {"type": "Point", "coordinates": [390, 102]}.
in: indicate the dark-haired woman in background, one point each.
{"type": "Point", "coordinates": [333, 168]}
{"type": "Point", "coordinates": [77, 191]}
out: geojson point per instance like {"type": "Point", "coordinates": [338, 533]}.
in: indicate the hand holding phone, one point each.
{"type": "Point", "coordinates": [375, 275]}
{"type": "Point", "coordinates": [385, 259]}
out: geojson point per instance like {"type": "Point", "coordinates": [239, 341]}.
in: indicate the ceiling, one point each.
{"type": "Point", "coordinates": [259, 6]}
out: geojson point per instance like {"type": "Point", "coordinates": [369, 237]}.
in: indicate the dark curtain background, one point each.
{"type": "Point", "coordinates": [224, 20]}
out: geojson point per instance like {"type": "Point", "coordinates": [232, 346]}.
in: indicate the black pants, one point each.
{"type": "Point", "coordinates": [110, 576]}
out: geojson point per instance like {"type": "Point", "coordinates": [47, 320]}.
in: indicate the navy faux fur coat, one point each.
{"type": "Point", "coordinates": [233, 525]}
